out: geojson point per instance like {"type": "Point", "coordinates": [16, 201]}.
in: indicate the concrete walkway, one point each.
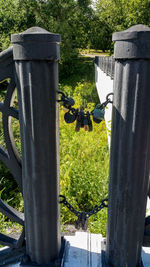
{"type": "Point", "coordinates": [84, 250]}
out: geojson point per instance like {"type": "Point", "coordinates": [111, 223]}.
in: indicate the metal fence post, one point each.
{"type": "Point", "coordinates": [130, 148]}
{"type": "Point", "coordinates": [36, 55]}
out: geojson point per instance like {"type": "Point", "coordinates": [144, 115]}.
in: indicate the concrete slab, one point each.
{"type": "Point", "coordinates": [84, 250]}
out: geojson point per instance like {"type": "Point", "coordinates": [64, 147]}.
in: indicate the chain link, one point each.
{"type": "Point", "coordinates": [83, 216]}
{"type": "Point", "coordinates": [68, 205]}
{"type": "Point", "coordinates": [98, 208]}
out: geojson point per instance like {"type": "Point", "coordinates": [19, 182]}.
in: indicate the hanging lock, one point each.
{"type": "Point", "coordinates": [89, 122]}
{"type": "Point", "coordinates": [81, 114]}
{"type": "Point", "coordinates": [68, 102]}
{"type": "Point", "coordinates": [80, 121]}
{"type": "Point", "coordinates": [71, 116]}
{"type": "Point", "coordinates": [86, 124]}
{"type": "Point", "coordinates": [98, 113]}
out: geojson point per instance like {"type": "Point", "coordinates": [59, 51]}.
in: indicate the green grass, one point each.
{"type": "Point", "coordinates": [93, 52]}
{"type": "Point", "coordinates": [84, 160]}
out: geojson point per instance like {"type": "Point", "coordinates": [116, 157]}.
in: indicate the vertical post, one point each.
{"type": "Point", "coordinates": [36, 55]}
{"type": "Point", "coordinates": [130, 148]}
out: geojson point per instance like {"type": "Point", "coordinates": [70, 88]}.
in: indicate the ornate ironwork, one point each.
{"type": "Point", "coordinates": [9, 155]}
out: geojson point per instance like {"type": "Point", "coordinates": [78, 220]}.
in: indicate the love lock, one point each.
{"type": "Point", "coordinates": [70, 117]}
{"type": "Point", "coordinates": [82, 221]}
{"type": "Point", "coordinates": [89, 122]}
{"type": "Point", "coordinates": [98, 114]}
{"type": "Point", "coordinates": [81, 114]}
{"type": "Point", "coordinates": [86, 124]}
{"type": "Point", "coordinates": [80, 121]}
{"type": "Point", "coordinates": [68, 102]}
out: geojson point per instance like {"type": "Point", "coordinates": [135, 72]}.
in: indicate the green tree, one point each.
{"type": "Point", "coordinates": [15, 16]}
{"type": "Point", "coordinates": [69, 18]}
{"type": "Point", "coordinates": [121, 14]}
{"type": "Point", "coordinates": [99, 35]}
{"type": "Point", "coordinates": [118, 15]}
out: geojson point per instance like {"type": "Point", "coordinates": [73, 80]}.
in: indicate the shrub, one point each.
{"type": "Point", "coordinates": [84, 159]}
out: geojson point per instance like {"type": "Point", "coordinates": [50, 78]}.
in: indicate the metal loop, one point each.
{"type": "Point", "coordinates": [62, 93]}
{"type": "Point", "coordinates": [108, 99]}
{"type": "Point", "coordinates": [64, 199]}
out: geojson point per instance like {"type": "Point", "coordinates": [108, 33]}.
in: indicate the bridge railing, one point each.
{"type": "Point", "coordinates": [106, 64]}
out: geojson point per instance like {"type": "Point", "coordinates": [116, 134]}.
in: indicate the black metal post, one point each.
{"type": "Point", "coordinates": [130, 148]}
{"type": "Point", "coordinates": [36, 55]}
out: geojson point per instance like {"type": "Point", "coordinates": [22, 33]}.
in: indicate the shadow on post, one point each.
{"type": "Point", "coordinates": [130, 148]}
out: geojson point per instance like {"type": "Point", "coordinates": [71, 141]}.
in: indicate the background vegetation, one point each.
{"type": "Point", "coordinates": [84, 159]}
{"type": "Point", "coordinates": [81, 23]}
{"type": "Point", "coordinates": [84, 156]}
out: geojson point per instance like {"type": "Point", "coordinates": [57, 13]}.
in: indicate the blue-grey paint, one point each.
{"type": "Point", "coordinates": [36, 55]}
{"type": "Point", "coordinates": [130, 148]}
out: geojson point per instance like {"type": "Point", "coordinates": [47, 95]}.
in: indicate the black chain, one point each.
{"type": "Point", "coordinates": [68, 205]}
{"type": "Point", "coordinates": [83, 216]}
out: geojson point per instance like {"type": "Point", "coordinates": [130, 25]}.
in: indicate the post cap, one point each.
{"type": "Point", "coordinates": [35, 34]}
{"type": "Point", "coordinates": [35, 44]}
{"type": "Point", "coordinates": [132, 43]}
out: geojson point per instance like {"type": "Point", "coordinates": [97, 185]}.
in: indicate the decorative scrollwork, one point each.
{"type": "Point", "coordinates": [9, 155]}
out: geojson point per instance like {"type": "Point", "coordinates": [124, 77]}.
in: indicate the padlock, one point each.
{"type": "Point", "coordinates": [98, 114]}
{"type": "Point", "coordinates": [78, 124]}
{"type": "Point", "coordinates": [68, 102]}
{"type": "Point", "coordinates": [70, 118]}
{"type": "Point", "coordinates": [86, 124]}
{"type": "Point", "coordinates": [81, 116]}
{"type": "Point", "coordinates": [89, 122]}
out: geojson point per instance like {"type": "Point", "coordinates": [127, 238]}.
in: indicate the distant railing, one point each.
{"type": "Point", "coordinates": [106, 64]}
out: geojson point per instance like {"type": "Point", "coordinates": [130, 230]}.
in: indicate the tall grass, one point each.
{"type": "Point", "coordinates": [84, 160]}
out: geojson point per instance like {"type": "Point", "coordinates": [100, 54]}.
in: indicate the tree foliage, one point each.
{"type": "Point", "coordinates": [69, 18]}
{"type": "Point", "coordinates": [122, 14]}
{"type": "Point", "coordinates": [15, 16]}
{"type": "Point", "coordinates": [79, 24]}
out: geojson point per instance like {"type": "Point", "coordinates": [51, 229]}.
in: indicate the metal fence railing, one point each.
{"type": "Point", "coordinates": [106, 64]}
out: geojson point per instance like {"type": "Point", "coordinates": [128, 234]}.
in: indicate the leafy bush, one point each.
{"type": "Point", "coordinates": [84, 159]}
